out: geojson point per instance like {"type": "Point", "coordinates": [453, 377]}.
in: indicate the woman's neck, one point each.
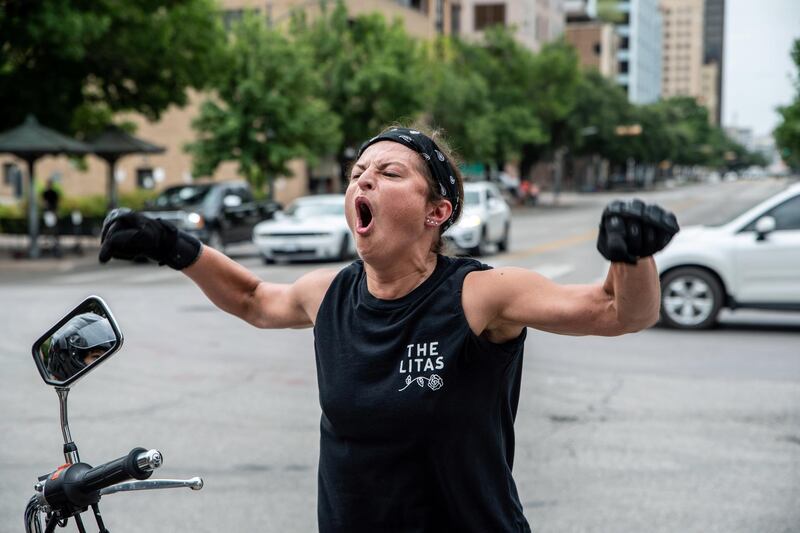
{"type": "Point", "coordinates": [400, 278]}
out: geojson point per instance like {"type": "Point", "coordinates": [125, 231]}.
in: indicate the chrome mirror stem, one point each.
{"type": "Point", "coordinates": [71, 456]}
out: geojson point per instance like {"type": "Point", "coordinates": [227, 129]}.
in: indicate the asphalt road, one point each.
{"type": "Point", "coordinates": [660, 431]}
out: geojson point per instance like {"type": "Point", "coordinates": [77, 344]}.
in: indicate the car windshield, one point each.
{"type": "Point", "coordinates": [472, 198]}
{"type": "Point", "coordinates": [315, 209]}
{"type": "Point", "coordinates": [182, 196]}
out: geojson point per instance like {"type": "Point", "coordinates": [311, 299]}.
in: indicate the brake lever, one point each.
{"type": "Point", "coordinates": [195, 483]}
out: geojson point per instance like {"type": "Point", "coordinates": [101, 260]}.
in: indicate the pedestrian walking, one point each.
{"type": "Point", "coordinates": [51, 198]}
{"type": "Point", "coordinates": [419, 355]}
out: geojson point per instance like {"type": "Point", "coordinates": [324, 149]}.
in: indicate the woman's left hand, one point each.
{"type": "Point", "coordinates": [632, 229]}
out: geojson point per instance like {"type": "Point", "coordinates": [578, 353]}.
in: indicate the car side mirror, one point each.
{"type": "Point", "coordinates": [231, 200]}
{"type": "Point", "coordinates": [764, 226]}
{"type": "Point", "coordinates": [84, 338]}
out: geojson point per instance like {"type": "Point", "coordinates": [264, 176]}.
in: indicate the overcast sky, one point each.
{"type": "Point", "coordinates": [758, 69]}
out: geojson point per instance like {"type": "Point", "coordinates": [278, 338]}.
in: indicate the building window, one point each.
{"type": "Point", "coordinates": [145, 178]}
{"type": "Point", "coordinates": [419, 5]}
{"type": "Point", "coordinates": [489, 15]}
{"type": "Point", "coordinates": [231, 17]}
{"type": "Point", "coordinates": [623, 67]}
{"type": "Point", "coordinates": [439, 16]}
{"type": "Point", "coordinates": [597, 48]}
{"type": "Point", "coordinates": [455, 19]}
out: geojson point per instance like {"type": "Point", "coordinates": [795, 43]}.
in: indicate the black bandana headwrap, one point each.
{"type": "Point", "coordinates": [439, 165]}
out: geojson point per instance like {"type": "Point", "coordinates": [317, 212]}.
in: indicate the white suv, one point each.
{"type": "Point", "coordinates": [485, 220]}
{"type": "Point", "coordinates": [751, 262]}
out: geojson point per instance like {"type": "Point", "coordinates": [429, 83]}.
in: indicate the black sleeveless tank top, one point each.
{"type": "Point", "coordinates": [417, 428]}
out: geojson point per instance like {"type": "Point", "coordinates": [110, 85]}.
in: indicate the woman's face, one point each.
{"type": "Point", "coordinates": [387, 201]}
{"type": "Point", "coordinates": [93, 355]}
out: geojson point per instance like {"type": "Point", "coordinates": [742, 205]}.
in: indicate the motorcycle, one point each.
{"type": "Point", "coordinates": [76, 345]}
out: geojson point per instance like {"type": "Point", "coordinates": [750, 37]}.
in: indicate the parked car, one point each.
{"type": "Point", "coordinates": [751, 262]}
{"type": "Point", "coordinates": [218, 213]}
{"type": "Point", "coordinates": [486, 220]}
{"type": "Point", "coordinates": [312, 227]}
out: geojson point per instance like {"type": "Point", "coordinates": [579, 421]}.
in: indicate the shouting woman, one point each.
{"type": "Point", "coordinates": [419, 355]}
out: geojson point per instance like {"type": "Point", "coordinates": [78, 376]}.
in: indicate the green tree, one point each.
{"type": "Point", "coordinates": [460, 101]}
{"type": "Point", "coordinates": [266, 111]}
{"type": "Point", "coordinates": [551, 91]}
{"type": "Point", "coordinates": [75, 64]}
{"type": "Point", "coordinates": [507, 67]}
{"type": "Point", "coordinates": [373, 72]}
{"type": "Point", "coordinates": [600, 106]}
{"type": "Point", "coordinates": [787, 134]}
{"type": "Point", "coordinates": [687, 132]}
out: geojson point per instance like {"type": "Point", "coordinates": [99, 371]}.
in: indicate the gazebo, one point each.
{"type": "Point", "coordinates": [31, 141]}
{"type": "Point", "coordinates": [113, 144]}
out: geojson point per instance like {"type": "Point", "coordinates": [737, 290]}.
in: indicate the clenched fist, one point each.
{"type": "Point", "coordinates": [127, 235]}
{"type": "Point", "coordinates": [632, 229]}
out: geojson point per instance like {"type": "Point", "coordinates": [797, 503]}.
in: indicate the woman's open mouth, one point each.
{"type": "Point", "coordinates": [364, 216]}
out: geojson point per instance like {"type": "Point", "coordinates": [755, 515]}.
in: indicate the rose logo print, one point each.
{"type": "Point", "coordinates": [434, 382]}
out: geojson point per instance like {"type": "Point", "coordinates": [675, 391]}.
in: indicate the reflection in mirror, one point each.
{"type": "Point", "coordinates": [82, 338]}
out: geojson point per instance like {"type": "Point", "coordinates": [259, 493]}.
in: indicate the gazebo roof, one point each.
{"type": "Point", "coordinates": [32, 140]}
{"type": "Point", "coordinates": [115, 142]}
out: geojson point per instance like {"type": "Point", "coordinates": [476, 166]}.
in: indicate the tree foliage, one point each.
{"type": "Point", "coordinates": [266, 110]}
{"type": "Point", "coordinates": [787, 134]}
{"type": "Point", "coordinates": [75, 64]}
{"type": "Point", "coordinates": [372, 71]}
{"type": "Point", "coordinates": [460, 102]}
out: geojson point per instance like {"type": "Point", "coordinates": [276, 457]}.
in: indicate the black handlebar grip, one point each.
{"type": "Point", "coordinates": [114, 472]}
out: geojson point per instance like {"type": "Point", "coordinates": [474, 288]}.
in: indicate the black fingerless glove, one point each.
{"type": "Point", "coordinates": [127, 235]}
{"type": "Point", "coordinates": [632, 229]}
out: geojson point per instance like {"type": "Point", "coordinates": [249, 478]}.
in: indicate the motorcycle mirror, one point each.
{"type": "Point", "coordinates": [80, 341]}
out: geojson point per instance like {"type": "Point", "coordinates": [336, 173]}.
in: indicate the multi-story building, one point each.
{"type": "Point", "coordinates": [709, 91]}
{"type": "Point", "coordinates": [534, 22]}
{"type": "Point", "coordinates": [743, 136]}
{"type": "Point", "coordinates": [595, 40]}
{"type": "Point", "coordinates": [682, 60]}
{"type": "Point", "coordinates": [422, 18]}
{"type": "Point", "coordinates": [713, 46]}
{"type": "Point", "coordinates": [638, 25]}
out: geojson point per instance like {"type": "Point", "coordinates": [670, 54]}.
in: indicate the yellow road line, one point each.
{"type": "Point", "coordinates": [583, 237]}
{"type": "Point", "coordinates": [553, 245]}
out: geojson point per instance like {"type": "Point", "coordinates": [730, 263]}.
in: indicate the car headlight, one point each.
{"type": "Point", "coordinates": [195, 220]}
{"type": "Point", "coordinates": [470, 221]}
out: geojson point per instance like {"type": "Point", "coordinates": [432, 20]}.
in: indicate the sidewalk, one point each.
{"type": "Point", "coordinates": [14, 254]}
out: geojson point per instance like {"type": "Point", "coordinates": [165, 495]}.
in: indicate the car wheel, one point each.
{"type": "Point", "coordinates": [503, 244]}
{"type": "Point", "coordinates": [690, 298]}
{"type": "Point", "coordinates": [480, 249]}
{"type": "Point", "coordinates": [344, 249]}
{"type": "Point", "coordinates": [215, 241]}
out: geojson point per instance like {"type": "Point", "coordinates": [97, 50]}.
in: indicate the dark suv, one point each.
{"type": "Point", "coordinates": [217, 213]}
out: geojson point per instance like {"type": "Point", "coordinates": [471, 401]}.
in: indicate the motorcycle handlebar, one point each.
{"type": "Point", "coordinates": [78, 485]}
{"type": "Point", "coordinates": [138, 464]}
